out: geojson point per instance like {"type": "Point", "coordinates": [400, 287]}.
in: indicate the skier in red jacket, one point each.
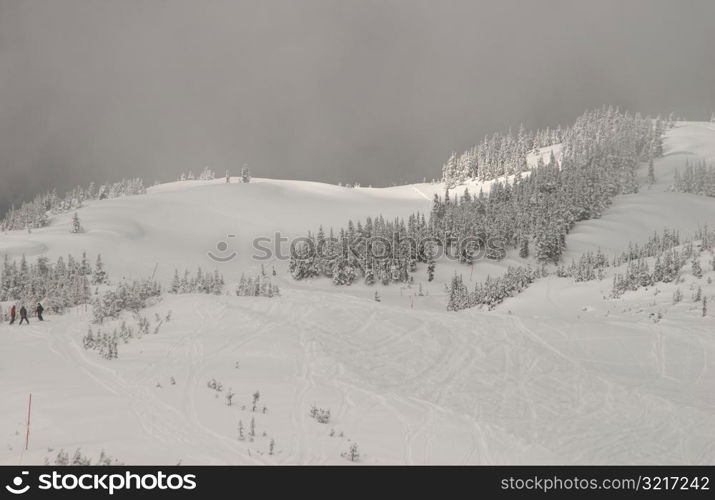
{"type": "Point", "coordinates": [13, 313]}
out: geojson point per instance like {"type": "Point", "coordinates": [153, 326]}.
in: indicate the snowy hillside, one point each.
{"type": "Point", "coordinates": [155, 226]}
{"type": "Point", "coordinates": [556, 374]}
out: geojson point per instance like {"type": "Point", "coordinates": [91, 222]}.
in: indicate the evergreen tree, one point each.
{"type": "Point", "coordinates": [76, 225]}
{"type": "Point", "coordinates": [450, 174]}
{"type": "Point", "coordinates": [100, 276]}
{"type": "Point", "coordinates": [696, 269]}
{"type": "Point", "coordinates": [353, 453]}
{"type": "Point", "coordinates": [458, 295]}
{"type": "Point", "coordinates": [524, 249]}
{"type": "Point", "coordinates": [677, 181]}
{"type": "Point", "coordinates": [175, 283]}
{"type": "Point", "coordinates": [256, 397]}
{"type": "Point", "coordinates": [430, 262]}
{"type": "Point", "coordinates": [369, 273]}
{"type": "Point", "coordinates": [85, 267]}
{"type": "Point", "coordinates": [245, 174]}
{"type": "Point", "coordinates": [651, 171]}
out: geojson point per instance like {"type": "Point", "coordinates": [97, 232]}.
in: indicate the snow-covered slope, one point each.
{"type": "Point", "coordinates": [635, 217]}
{"type": "Point", "coordinates": [555, 375]}
{"type": "Point", "coordinates": [177, 224]}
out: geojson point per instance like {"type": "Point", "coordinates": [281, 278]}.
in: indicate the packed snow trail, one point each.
{"type": "Point", "coordinates": [409, 386]}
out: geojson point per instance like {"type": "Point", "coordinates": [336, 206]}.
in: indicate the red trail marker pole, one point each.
{"type": "Point", "coordinates": [29, 412]}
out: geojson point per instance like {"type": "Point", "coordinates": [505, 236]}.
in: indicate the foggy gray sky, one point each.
{"type": "Point", "coordinates": [342, 90]}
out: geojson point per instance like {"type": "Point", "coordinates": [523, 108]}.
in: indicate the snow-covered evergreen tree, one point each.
{"type": "Point", "coordinates": [651, 171]}
{"type": "Point", "coordinates": [245, 174]}
{"type": "Point", "coordinates": [524, 248]}
{"type": "Point", "coordinates": [76, 224]}
{"type": "Point", "coordinates": [430, 262]}
{"type": "Point", "coordinates": [458, 294]}
{"type": "Point", "coordinates": [99, 277]}
{"type": "Point", "coordinates": [696, 269]}
{"type": "Point", "coordinates": [353, 453]}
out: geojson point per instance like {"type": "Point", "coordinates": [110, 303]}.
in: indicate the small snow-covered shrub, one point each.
{"type": "Point", "coordinates": [353, 453]}
{"type": "Point", "coordinates": [320, 415]}
{"type": "Point", "coordinates": [63, 458]}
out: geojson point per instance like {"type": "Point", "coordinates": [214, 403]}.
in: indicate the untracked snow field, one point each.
{"type": "Point", "coordinates": [559, 374]}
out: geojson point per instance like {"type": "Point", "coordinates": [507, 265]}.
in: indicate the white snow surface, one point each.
{"type": "Point", "coordinates": [554, 375]}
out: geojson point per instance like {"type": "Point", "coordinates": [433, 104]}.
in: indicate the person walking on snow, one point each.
{"type": "Point", "coordinates": [23, 315]}
{"type": "Point", "coordinates": [13, 313]}
{"type": "Point", "coordinates": [39, 310]}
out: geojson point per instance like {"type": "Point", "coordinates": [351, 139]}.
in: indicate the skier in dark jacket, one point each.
{"type": "Point", "coordinates": [39, 310]}
{"type": "Point", "coordinates": [13, 313]}
{"type": "Point", "coordinates": [23, 315]}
